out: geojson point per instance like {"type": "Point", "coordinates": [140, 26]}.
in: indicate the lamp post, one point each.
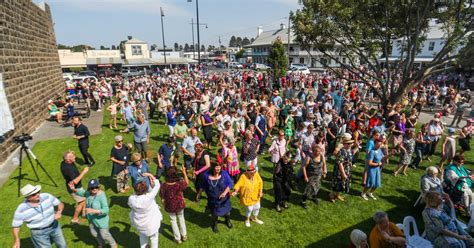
{"type": "Point", "coordinates": [163, 33]}
{"type": "Point", "coordinates": [197, 23]}
{"type": "Point", "coordinates": [192, 32]}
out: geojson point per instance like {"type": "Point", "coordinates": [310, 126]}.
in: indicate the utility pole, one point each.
{"type": "Point", "coordinates": [198, 26]}
{"type": "Point", "coordinates": [163, 33]}
{"type": "Point", "coordinates": [192, 31]}
{"type": "Point", "coordinates": [288, 45]}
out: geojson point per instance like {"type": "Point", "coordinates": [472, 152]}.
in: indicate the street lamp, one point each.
{"type": "Point", "coordinates": [197, 23]}
{"type": "Point", "coordinates": [192, 31]}
{"type": "Point", "coordinates": [163, 34]}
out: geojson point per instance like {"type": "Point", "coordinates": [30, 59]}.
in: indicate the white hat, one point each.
{"type": "Point", "coordinates": [357, 236]}
{"type": "Point", "coordinates": [29, 189]}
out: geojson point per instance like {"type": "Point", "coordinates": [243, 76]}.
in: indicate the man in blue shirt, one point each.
{"type": "Point", "coordinates": [164, 155]}
{"type": "Point", "coordinates": [171, 117]}
{"type": "Point", "coordinates": [141, 135]}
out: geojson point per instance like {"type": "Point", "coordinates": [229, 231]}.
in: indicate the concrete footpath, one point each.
{"type": "Point", "coordinates": [49, 130]}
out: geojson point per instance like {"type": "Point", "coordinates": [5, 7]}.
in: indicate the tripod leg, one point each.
{"type": "Point", "coordinates": [31, 163]}
{"type": "Point", "coordinates": [41, 166]}
{"type": "Point", "coordinates": [19, 171]}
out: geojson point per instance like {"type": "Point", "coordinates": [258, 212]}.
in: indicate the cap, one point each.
{"type": "Point", "coordinates": [118, 138]}
{"type": "Point", "coordinates": [50, 101]}
{"type": "Point", "coordinates": [93, 183]}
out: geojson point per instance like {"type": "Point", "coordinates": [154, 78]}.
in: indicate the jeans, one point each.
{"type": "Point", "coordinates": [262, 139]}
{"type": "Point", "coordinates": [101, 234]}
{"type": "Point", "coordinates": [419, 155]}
{"type": "Point", "coordinates": [174, 219]}
{"type": "Point", "coordinates": [153, 240]}
{"type": "Point", "coordinates": [42, 238]}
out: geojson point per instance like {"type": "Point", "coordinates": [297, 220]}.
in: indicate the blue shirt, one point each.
{"type": "Point", "coordinates": [136, 173]}
{"type": "Point", "coordinates": [376, 156]}
{"type": "Point", "coordinates": [36, 217]}
{"type": "Point", "coordinates": [369, 147]}
{"type": "Point", "coordinates": [166, 152]}
{"type": "Point", "coordinates": [128, 112]}
{"type": "Point", "coordinates": [141, 131]}
{"type": "Point", "coordinates": [171, 119]}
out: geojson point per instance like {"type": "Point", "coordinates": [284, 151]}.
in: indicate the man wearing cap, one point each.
{"type": "Point", "coordinates": [181, 130]}
{"type": "Point", "coordinates": [37, 211]}
{"type": "Point", "coordinates": [73, 179]}
{"type": "Point", "coordinates": [120, 156]}
{"type": "Point", "coordinates": [164, 155]}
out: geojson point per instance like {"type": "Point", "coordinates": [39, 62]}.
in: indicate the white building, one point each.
{"type": "Point", "coordinates": [260, 49]}
{"type": "Point", "coordinates": [433, 44]}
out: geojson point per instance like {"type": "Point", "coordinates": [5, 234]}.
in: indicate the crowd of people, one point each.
{"type": "Point", "coordinates": [220, 124]}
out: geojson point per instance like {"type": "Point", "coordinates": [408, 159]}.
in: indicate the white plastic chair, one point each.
{"type": "Point", "coordinates": [414, 240]}
{"type": "Point", "coordinates": [419, 200]}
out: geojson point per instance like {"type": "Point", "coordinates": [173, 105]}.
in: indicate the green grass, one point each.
{"type": "Point", "coordinates": [323, 225]}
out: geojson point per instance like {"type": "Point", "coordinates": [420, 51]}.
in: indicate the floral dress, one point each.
{"type": "Point", "coordinates": [338, 184]}
{"type": "Point", "coordinates": [406, 156]}
{"type": "Point", "coordinates": [231, 161]}
{"type": "Point", "coordinates": [436, 221]}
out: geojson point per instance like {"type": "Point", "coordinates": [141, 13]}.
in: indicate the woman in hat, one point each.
{"type": "Point", "coordinates": [171, 195]}
{"type": "Point", "coordinates": [97, 211]}
{"type": "Point", "coordinates": [217, 184]}
{"type": "Point", "coordinates": [314, 168]}
{"type": "Point", "coordinates": [250, 187]}
{"type": "Point", "coordinates": [145, 214]}
{"type": "Point", "coordinates": [342, 174]}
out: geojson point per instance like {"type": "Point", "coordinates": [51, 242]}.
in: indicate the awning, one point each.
{"type": "Point", "coordinates": [173, 61]}
{"type": "Point", "coordinates": [74, 66]}
{"type": "Point", "coordinates": [103, 61]}
{"type": "Point", "coordinates": [137, 62]}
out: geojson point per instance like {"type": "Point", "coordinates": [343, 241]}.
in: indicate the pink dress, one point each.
{"type": "Point", "coordinates": [231, 161]}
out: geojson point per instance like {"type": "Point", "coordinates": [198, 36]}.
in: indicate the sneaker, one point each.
{"type": "Point", "coordinates": [99, 110]}
{"type": "Point", "coordinates": [214, 228]}
{"type": "Point", "coordinates": [278, 209]}
{"type": "Point", "coordinates": [285, 205]}
{"type": "Point", "coordinates": [258, 221]}
{"type": "Point", "coordinates": [178, 241]}
{"type": "Point", "coordinates": [364, 196]}
{"type": "Point", "coordinates": [371, 196]}
{"type": "Point", "coordinates": [247, 223]}
{"type": "Point", "coordinates": [304, 205]}
{"type": "Point", "coordinates": [184, 238]}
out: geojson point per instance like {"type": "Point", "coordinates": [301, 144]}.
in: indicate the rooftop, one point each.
{"type": "Point", "coordinates": [267, 37]}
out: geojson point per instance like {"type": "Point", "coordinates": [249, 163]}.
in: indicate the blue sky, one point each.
{"type": "Point", "coordinates": [107, 22]}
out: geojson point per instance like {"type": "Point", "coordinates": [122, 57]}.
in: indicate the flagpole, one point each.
{"type": "Point", "coordinates": [163, 34]}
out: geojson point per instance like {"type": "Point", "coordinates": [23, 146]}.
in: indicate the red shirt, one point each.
{"type": "Point", "coordinates": [172, 194]}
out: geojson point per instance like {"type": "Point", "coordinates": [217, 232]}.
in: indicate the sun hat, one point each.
{"type": "Point", "coordinates": [29, 190]}
{"type": "Point", "coordinates": [118, 138]}
{"type": "Point", "coordinates": [346, 140]}
{"type": "Point", "coordinates": [93, 183]}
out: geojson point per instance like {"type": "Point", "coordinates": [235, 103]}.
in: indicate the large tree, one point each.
{"type": "Point", "coordinates": [362, 32]}
{"type": "Point", "coordinates": [245, 41]}
{"type": "Point", "coordinates": [186, 47]}
{"type": "Point", "coordinates": [232, 41]}
{"type": "Point", "coordinates": [277, 59]}
{"type": "Point", "coordinates": [466, 58]}
{"type": "Point", "coordinates": [176, 46]}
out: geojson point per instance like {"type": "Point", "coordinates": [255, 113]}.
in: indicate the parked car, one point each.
{"type": "Point", "coordinates": [300, 69]}
{"type": "Point", "coordinates": [235, 65]}
{"type": "Point", "coordinates": [83, 78]}
{"type": "Point", "coordinates": [261, 67]}
{"type": "Point", "coordinates": [106, 73]}
{"type": "Point", "coordinates": [87, 73]}
{"type": "Point", "coordinates": [132, 73]}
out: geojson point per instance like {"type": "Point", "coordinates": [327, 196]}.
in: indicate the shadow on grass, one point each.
{"type": "Point", "coordinates": [82, 234]}
{"type": "Point", "coordinates": [119, 200]}
{"type": "Point", "coordinates": [125, 237]}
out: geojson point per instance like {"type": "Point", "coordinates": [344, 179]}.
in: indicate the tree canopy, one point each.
{"type": "Point", "coordinates": [277, 59]}
{"type": "Point", "coordinates": [363, 32]}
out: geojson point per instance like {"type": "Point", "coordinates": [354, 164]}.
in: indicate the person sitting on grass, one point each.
{"type": "Point", "coordinates": [385, 233]}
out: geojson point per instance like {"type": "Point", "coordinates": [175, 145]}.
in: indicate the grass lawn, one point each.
{"type": "Point", "coordinates": [323, 225]}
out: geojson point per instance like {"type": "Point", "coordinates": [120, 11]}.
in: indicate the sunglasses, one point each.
{"type": "Point", "coordinates": [91, 188]}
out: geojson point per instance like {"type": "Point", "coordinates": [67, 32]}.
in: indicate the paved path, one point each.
{"type": "Point", "coordinates": [49, 130]}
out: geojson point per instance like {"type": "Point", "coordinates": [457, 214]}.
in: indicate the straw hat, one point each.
{"type": "Point", "coordinates": [29, 190]}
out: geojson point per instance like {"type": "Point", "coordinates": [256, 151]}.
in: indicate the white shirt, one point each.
{"type": "Point", "coordinates": [145, 214]}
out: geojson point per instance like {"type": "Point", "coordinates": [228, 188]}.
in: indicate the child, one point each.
{"type": "Point", "coordinates": [408, 148]}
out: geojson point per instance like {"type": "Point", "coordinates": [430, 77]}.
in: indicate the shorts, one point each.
{"type": "Point", "coordinates": [141, 146]}
{"type": "Point", "coordinates": [77, 198]}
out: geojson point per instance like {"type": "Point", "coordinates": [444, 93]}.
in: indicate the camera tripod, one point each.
{"type": "Point", "coordinates": [29, 154]}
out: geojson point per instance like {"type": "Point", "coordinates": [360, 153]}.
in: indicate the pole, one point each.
{"type": "Point", "coordinates": [199, 42]}
{"type": "Point", "coordinates": [163, 34]}
{"type": "Point", "coordinates": [194, 44]}
{"type": "Point", "coordinates": [288, 45]}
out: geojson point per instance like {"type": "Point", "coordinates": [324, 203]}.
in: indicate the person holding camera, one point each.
{"type": "Point", "coordinates": [81, 134]}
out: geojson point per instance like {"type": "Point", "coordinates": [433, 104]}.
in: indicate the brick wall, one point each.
{"type": "Point", "coordinates": [30, 65]}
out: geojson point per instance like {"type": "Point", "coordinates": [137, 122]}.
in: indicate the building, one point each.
{"type": "Point", "coordinates": [261, 46]}
{"type": "Point", "coordinates": [433, 44]}
{"type": "Point", "coordinates": [136, 54]}
{"type": "Point", "coordinates": [30, 72]}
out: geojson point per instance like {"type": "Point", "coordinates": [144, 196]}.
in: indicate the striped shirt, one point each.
{"type": "Point", "coordinates": [36, 217]}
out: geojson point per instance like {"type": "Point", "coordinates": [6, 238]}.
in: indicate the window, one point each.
{"type": "Point", "coordinates": [291, 60]}
{"type": "Point", "coordinates": [431, 46]}
{"type": "Point", "coordinates": [136, 50]}
{"type": "Point", "coordinates": [301, 60]}
{"type": "Point", "coordinates": [292, 49]}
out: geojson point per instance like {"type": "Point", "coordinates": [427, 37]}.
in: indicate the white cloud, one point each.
{"type": "Point", "coordinates": [124, 6]}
